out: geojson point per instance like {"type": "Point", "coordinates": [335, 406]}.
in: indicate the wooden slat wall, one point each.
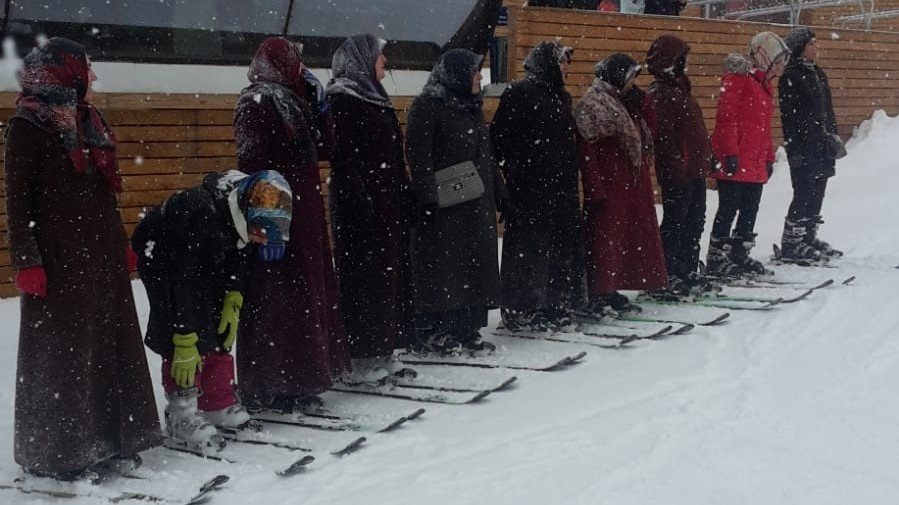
{"type": "Point", "coordinates": [167, 142]}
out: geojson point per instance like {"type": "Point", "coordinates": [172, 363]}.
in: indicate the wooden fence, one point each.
{"type": "Point", "coordinates": [167, 142]}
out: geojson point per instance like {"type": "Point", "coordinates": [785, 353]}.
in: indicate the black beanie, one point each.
{"type": "Point", "coordinates": [797, 39]}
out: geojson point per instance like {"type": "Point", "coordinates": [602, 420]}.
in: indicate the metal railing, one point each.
{"type": "Point", "coordinates": [866, 18]}
{"type": "Point", "coordinates": [793, 7]}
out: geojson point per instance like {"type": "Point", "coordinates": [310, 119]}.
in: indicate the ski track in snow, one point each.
{"type": "Point", "coordinates": [796, 405]}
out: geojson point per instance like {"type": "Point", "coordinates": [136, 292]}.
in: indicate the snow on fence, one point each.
{"type": "Point", "coordinates": [167, 142]}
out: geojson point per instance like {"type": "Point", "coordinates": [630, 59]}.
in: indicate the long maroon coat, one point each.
{"type": "Point", "coordinates": [83, 391]}
{"type": "Point", "coordinates": [369, 187]}
{"type": "Point", "coordinates": [624, 248]}
{"type": "Point", "coordinates": [291, 340]}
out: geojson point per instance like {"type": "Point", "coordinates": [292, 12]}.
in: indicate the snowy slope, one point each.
{"type": "Point", "coordinates": [792, 406]}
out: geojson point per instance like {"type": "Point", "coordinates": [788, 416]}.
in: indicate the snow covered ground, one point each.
{"type": "Point", "coordinates": [797, 405]}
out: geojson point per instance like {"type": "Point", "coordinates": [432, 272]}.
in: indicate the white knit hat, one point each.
{"type": "Point", "coordinates": [766, 48]}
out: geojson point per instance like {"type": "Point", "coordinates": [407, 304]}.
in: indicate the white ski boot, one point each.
{"type": "Point", "coordinates": [185, 429]}
{"type": "Point", "coordinates": [234, 417]}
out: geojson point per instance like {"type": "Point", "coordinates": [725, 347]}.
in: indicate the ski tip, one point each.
{"type": "Point", "coordinates": [627, 340]}
{"type": "Point", "coordinates": [296, 467]}
{"type": "Point", "coordinates": [687, 328]}
{"type": "Point", "coordinates": [394, 425]}
{"type": "Point", "coordinates": [508, 382]}
{"type": "Point", "coordinates": [718, 320]}
{"type": "Point", "coordinates": [824, 284]}
{"type": "Point", "coordinates": [480, 396]}
{"type": "Point", "coordinates": [415, 415]}
{"type": "Point", "coordinates": [350, 448]}
{"type": "Point", "coordinates": [849, 280]}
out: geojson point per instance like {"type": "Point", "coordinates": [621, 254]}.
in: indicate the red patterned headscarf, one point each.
{"type": "Point", "coordinates": [280, 61]}
{"type": "Point", "coordinates": [54, 82]}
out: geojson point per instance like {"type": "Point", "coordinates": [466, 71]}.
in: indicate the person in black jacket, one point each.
{"type": "Point", "coordinates": [806, 109]}
{"type": "Point", "coordinates": [533, 133]}
{"type": "Point", "coordinates": [194, 252]}
{"type": "Point", "coordinates": [454, 252]}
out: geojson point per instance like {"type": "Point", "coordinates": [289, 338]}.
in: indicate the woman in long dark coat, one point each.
{"type": "Point", "coordinates": [455, 263]}
{"type": "Point", "coordinates": [806, 111]}
{"type": "Point", "coordinates": [533, 134]}
{"type": "Point", "coordinates": [682, 155]}
{"type": "Point", "coordinates": [370, 222]}
{"type": "Point", "coordinates": [83, 392]}
{"type": "Point", "coordinates": [624, 249]}
{"type": "Point", "coordinates": [292, 342]}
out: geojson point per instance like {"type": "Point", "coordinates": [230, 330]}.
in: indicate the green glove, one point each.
{"type": "Point", "coordinates": [230, 316]}
{"type": "Point", "coordinates": [185, 359]}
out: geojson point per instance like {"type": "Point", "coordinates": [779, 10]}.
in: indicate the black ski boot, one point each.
{"type": "Point", "coordinates": [795, 247]}
{"type": "Point", "coordinates": [812, 239]}
{"type": "Point", "coordinates": [520, 320]}
{"type": "Point", "coordinates": [740, 253]}
{"type": "Point", "coordinates": [720, 260]}
{"type": "Point", "coordinates": [678, 289]}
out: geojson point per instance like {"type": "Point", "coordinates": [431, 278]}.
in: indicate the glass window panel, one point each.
{"type": "Point", "coordinates": [395, 20]}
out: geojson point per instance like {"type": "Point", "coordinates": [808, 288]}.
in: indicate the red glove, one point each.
{"type": "Point", "coordinates": [130, 258]}
{"type": "Point", "coordinates": [32, 280]}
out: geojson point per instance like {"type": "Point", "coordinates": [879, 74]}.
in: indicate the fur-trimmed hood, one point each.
{"type": "Point", "coordinates": [738, 64]}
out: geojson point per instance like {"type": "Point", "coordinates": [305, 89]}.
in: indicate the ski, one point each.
{"type": "Point", "coordinates": [296, 467]}
{"type": "Point", "coordinates": [761, 299]}
{"type": "Point", "coordinates": [120, 497]}
{"type": "Point", "coordinates": [751, 284]}
{"type": "Point", "coordinates": [494, 361]}
{"type": "Point", "coordinates": [414, 394]}
{"type": "Point", "coordinates": [647, 318]}
{"type": "Point", "coordinates": [208, 488]}
{"type": "Point", "coordinates": [765, 304]}
{"type": "Point", "coordinates": [349, 448]}
{"type": "Point", "coordinates": [323, 421]}
{"type": "Point", "coordinates": [569, 338]}
{"type": "Point", "coordinates": [612, 327]}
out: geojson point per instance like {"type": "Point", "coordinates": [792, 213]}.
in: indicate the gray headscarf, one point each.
{"type": "Point", "coordinates": [353, 69]}
{"type": "Point", "coordinates": [451, 79]}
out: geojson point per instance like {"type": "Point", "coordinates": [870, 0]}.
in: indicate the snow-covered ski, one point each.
{"type": "Point", "coordinates": [331, 422]}
{"type": "Point", "coordinates": [722, 303]}
{"type": "Point", "coordinates": [667, 314]}
{"type": "Point", "coordinates": [581, 338]}
{"type": "Point", "coordinates": [414, 394]}
{"type": "Point", "coordinates": [114, 496]}
{"type": "Point", "coordinates": [535, 363]}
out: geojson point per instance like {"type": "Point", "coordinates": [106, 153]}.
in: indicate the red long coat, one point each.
{"type": "Point", "coordinates": [624, 247]}
{"type": "Point", "coordinates": [743, 125]}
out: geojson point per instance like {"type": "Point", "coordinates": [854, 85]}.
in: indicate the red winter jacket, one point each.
{"type": "Point", "coordinates": [743, 122]}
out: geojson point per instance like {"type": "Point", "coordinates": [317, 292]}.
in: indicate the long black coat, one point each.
{"type": "Point", "coordinates": [806, 111]}
{"type": "Point", "coordinates": [188, 259]}
{"type": "Point", "coordinates": [533, 134]}
{"type": "Point", "coordinates": [83, 390]}
{"type": "Point", "coordinates": [370, 222]}
{"type": "Point", "coordinates": [454, 253]}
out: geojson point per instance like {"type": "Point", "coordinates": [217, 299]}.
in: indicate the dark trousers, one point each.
{"type": "Point", "coordinates": [733, 198]}
{"type": "Point", "coordinates": [682, 225]}
{"type": "Point", "coordinates": [461, 323]}
{"type": "Point", "coordinates": [808, 197]}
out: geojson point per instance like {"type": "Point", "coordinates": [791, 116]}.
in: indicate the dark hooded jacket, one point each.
{"type": "Point", "coordinates": [533, 134]}
{"type": "Point", "coordinates": [189, 255]}
{"type": "Point", "coordinates": [83, 390]}
{"type": "Point", "coordinates": [806, 111]}
{"type": "Point", "coordinates": [455, 256]}
{"type": "Point", "coordinates": [292, 340]}
{"type": "Point", "coordinates": [681, 141]}
{"type": "Point", "coordinates": [370, 204]}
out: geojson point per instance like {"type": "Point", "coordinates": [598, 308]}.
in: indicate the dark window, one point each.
{"type": "Point", "coordinates": [221, 31]}
{"type": "Point", "coordinates": [227, 32]}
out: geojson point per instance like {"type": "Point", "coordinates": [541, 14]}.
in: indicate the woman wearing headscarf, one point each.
{"type": "Point", "coordinates": [533, 134]}
{"type": "Point", "coordinates": [809, 124]}
{"type": "Point", "coordinates": [456, 275]}
{"type": "Point", "coordinates": [682, 159]}
{"type": "Point", "coordinates": [292, 339]}
{"type": "Point", "coordinates": [742, 145]}
{"type": "Point", "coordinates": [615, 121]}
{"type": "Point", "coordinates": [369, 210]}
{"type": "Point", "coordinates": [83, 391]}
